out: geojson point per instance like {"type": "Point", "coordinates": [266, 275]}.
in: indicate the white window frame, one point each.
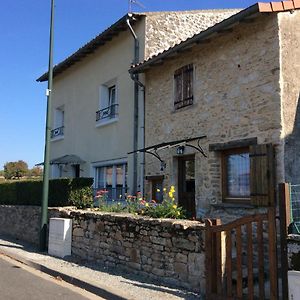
{"type": "Point", "coordinates": [114, 165]}
{"type": "Point", "coordinates": [105, 101]}
{"type": "Point", "coordinates": [58, 123]}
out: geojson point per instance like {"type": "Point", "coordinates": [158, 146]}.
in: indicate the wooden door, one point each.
{"type": "Point", "coordinates": [186, 185]}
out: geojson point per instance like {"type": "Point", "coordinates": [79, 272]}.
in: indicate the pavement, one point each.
{"type": "Point", "coordinates": [108, 283]}
{"type": "Point", "coordinates": [18, 281]}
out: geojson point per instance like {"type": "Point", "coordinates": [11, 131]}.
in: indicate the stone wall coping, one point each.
{"type": "Point", "coordinates": [86, 214]}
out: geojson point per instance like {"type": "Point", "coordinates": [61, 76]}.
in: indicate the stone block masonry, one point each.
{"type": "Point", "coordinates": [165, 250]}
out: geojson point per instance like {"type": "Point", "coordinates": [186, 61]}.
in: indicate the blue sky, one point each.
{"type": "Point", "coordinates": [24, 32]}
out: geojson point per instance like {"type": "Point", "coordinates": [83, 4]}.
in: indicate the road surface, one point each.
{"type": "Point", "coordinates": [19, 282]}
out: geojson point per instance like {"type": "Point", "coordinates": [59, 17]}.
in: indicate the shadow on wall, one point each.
{"type": "Point", "coordinates": [292, 151]}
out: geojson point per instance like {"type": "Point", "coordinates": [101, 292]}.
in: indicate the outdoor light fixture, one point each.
{"type": "Point", "coordinates": [163, 165]}
{"type": "Point", "coordinates": [180, 150]}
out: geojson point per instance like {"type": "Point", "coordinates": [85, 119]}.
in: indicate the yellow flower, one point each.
{"type": "Point", "coordinates": [158, 190]}
{"type": "Point", "coordinates": [171, 194]}
{"type": "Point", "coordinates": [173, 199]}
{"type": "Point", "coordinates": [174, 206]}
{"type": "Point", "coordinates": [164, 189]}
{"type": "Point", "coordinates": [172, 188]}
{"type": "Point", "coordinates": [147, 204]}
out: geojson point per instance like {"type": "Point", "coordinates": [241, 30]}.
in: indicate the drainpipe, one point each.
{"type": "Point", "coordinates": [136, 105]}
{"type": "Point", "coordinates": [135, 78]}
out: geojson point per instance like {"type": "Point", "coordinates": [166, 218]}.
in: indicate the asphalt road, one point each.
{"type": "Point", "coordinates": [19, 282]}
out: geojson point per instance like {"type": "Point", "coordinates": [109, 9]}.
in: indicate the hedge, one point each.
{"type": "Point", "coordinates": [62, 192]}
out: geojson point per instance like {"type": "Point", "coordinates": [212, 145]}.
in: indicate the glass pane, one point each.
{"type": "Point", "coordinates": [158, 188]}
{"type": "Point", "coordinates": [112, 95]}
{"type": "Point", "coordinates": [190, 176]}
{"type": "Point", "coordinates": [109, 173]}
{"type": "Point", "coordinates": [238, 175]}
{"type": "Point", "coordinates": [100, 178]}
{"type": "Point", "coordinates": [119, 175]}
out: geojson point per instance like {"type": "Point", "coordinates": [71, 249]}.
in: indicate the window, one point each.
{"type": "Point", "coordinates": [59, 120]}
{"type": "Point", "coordinates": [183, 91]}
{"type": "Point", "coordinates": [108, 103]}
{"type": "Point", "coordinates": [76, 170]}
{"type": "Point", "coordinates": [236, 174]}
{"type": "Point", "coordinates": [112, 178]}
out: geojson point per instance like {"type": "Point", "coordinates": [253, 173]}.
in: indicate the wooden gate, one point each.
{"type": "Point", "coordinates": [241, 258]}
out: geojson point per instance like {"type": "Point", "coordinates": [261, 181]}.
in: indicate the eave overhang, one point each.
{"type": "Point", "coordinates": [93, 45]}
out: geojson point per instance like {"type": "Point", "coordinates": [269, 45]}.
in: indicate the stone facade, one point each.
{"type": "Point", "coordinates": [171, 251]}
{"type": "Point", "coordinates": [290, 82]}
{"type": "Point", "coordinates": [165, 29]}
{"type": "Point", "coordinates": [236, 96]}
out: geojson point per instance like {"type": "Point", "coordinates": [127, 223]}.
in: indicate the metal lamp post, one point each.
{"type": "Point", "coordinates": [44, 208]}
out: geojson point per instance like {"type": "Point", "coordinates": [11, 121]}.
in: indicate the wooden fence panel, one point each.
{"type": "Point", "coordinates": [231, 277]}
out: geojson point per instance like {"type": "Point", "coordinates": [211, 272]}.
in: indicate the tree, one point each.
{"type": "Point", "coordinates": [36, 172]}
{"type": "Point", "coordinates": [15, 169]}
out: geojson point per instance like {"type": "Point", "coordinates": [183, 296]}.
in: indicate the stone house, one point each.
{"type": "Point", "coordinates": [97, 108]}
{"type": "Point", "coordinates": [234, 89]}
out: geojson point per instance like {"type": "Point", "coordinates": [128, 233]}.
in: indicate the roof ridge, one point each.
{"type": "Point", "coordinates": [188, 11]}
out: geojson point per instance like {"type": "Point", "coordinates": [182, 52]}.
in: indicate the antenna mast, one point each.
{"type": "Point", "coordinates": [134, 2]}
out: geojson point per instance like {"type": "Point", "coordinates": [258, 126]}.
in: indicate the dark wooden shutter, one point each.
{"type": "Point", "coordinates": [178, 88]}
{"type": "Point", "coordinates": [262, 175]}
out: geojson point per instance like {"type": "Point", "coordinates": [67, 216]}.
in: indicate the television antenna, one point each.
{"type": "Point", "coordinates": [134, 2]}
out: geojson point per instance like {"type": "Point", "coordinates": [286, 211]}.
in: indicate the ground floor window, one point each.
{"type": "Point", "coordinates": [156, 187]}
{"type": "Point", "coordinates": [113, 179]}
{"type": "Point", "coordinates": [236, 174]}
{"type": "Point", "coordinates": [57, 171]}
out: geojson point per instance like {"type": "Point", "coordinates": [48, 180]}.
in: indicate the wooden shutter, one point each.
{"type": "Point", "coordinates": [262, 175]}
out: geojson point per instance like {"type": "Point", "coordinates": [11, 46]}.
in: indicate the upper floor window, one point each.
{"type": "Point", "coordinates": [108, 103]}
{"type": "Point", "coordinates": [183, 91]}
{"type": "Point", "coordinates": [58, 124]}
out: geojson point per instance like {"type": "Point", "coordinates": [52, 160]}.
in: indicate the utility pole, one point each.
{"type": "Point", "coordinates": [44, 206]}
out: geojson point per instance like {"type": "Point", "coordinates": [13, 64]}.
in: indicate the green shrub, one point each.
{"type": "Point", "coordinates": [81, 193]}
{"type": "Point", "coordinates": [62, 192]}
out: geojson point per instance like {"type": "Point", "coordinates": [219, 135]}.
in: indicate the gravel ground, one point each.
{"type": "Point", "coordinates": [112, 280]}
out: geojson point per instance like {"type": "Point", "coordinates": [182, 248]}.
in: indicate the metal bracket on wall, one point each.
{"type": "Point", "coordinates": [153, 150]}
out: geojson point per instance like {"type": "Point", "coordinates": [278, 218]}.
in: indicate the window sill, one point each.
{"type": "Point", "coordinates": [106, 122]}
{"type": "Point", "coordinates": [57, 138]}
{"type": "Point", "coordinates": [184, 108]}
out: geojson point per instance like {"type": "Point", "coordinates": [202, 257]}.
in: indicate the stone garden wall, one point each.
{"type": "Point", "coordinates": [20, 222]}
{"type": "Point", "coordinates": [294, 252]}
{"type": "Point", "coordinates": [171, 251]}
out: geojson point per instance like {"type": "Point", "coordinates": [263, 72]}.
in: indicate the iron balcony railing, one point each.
{"type": "Point", "coordinates": [109, 112]}
{"type": "Point", "coordinates": [59, 131]}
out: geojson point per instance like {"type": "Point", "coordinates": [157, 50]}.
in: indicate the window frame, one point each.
{"type": "Point", "coordinates": [108, 111]}
{"type": "Point", "coordinates": [57, 131]}
{"type": "Point", "coordinates": [226, 198]}
{"type": "Point", "coordinates": [186, 95]}
{"type": "Point", "coordinates": [114, 185]}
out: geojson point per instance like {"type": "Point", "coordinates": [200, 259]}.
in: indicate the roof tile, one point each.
{"type": "Point", "coordinates": [277, 6]}
{"type": "Point", "coordinates": [287, 5]}
{"type": "Point", "coordinates": [264, 7]}
{"type": "Point", "coordinates": [296, 3]}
